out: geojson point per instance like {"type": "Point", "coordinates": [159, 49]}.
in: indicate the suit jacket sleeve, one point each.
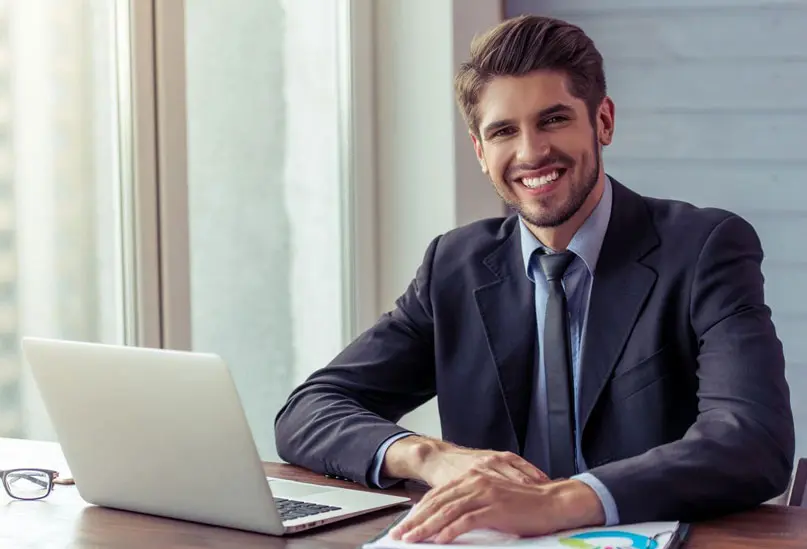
{"type": "Point", "coordinates": [739, 452]}
{"type": "Point", "coordinates": [338, 418]}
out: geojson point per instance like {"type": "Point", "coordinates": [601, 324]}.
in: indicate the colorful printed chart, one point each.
{"type": "Point", "coordinates": [608, 539]}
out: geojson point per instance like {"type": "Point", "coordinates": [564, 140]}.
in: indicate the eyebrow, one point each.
{"type": "Point", "coordinates": [557, 108]}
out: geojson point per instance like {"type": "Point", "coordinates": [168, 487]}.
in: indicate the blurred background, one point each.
{"type": "Point", "coordinates": [259, 178]}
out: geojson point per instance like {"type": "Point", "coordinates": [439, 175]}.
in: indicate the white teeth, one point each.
{"type": "Point", "coordinates": [535, 182]}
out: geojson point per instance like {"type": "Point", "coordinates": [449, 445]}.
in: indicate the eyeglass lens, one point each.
{"type": "Point", "coordinates": [27, 484]}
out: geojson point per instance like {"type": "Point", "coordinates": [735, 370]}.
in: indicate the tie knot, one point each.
{"type": "Point", "coordinates": [554, 265]}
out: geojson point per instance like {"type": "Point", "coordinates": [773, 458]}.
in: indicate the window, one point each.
{"type": "Point", "coordinates": [60, 189]}
{"type": "Point", "coordinates": [266, 194]}
{"type": "Point", "coordinates": [254, 188]}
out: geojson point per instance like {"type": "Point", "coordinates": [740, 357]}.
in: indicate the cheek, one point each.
{"type": "Point", "coordinates": [499, 160]}
{"type": "Point", "coordinates": [574, 145]}
{"type": "Point", "coordinates": [576, 142]}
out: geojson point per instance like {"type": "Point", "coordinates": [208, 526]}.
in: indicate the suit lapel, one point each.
{"type": "Point", "coordinates": [507, 308]}
{"type": "Point", "coordinates": [620, 289]}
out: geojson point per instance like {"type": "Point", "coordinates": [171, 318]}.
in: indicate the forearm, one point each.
{"type": "Point", "coordinates": [725, 463]}
{"type": "Point", "coordinates": [326, 432]}
{"type": "Point", "coordinates": [336, 421]}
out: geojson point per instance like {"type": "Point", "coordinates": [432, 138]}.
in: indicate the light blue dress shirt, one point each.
{"type": "Point", "coordinates": [586, 245]}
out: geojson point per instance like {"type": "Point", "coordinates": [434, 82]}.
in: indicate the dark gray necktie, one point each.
{"type": "Point", "coordinates": [558, 367]}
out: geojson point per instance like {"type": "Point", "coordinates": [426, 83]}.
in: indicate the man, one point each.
{"type": "Point", "coordinates": [616, 344]}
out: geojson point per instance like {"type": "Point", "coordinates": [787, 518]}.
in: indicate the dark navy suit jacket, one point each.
{"type": "Point", "coordinates": [683, 399]}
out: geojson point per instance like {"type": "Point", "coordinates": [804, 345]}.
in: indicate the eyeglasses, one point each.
{"type": "Point", "coordinates": [28, 484]}
{"type": "Point", "coordinates": [651, 542]}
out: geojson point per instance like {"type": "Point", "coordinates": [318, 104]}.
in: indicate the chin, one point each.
{"type": "Point", "coordinates": [545, 217]}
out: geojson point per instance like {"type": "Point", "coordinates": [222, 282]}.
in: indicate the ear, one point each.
{"type": "Point", "coordinates": [605, 122]}
{"type": "Point", "coordinates": [480, 154]}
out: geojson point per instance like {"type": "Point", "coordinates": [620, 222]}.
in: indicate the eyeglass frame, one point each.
{"type": "Point", "coordinates": [52, 476]}
{"type": "Point", "coordinates": [676, 537]}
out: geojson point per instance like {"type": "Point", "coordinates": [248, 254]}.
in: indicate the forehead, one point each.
{"type": "Point", "coordinates": [514, 97]}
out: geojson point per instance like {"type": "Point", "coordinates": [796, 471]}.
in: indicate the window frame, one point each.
{"type": "Point", "coordinates": [160, 260]}
{"type": "Point", "coordinates": [138, 149]}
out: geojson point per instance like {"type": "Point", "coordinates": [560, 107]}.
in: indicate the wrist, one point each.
{"type": "Point", "coordinates": [410, 457]}
{"type": "Point", "coordinates": [578, 503]}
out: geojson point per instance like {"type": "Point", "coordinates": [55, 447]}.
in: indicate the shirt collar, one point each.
{"type": "Point", "coordinates": [586, 242]}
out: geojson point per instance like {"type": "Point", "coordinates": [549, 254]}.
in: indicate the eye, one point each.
{"type": "Point", "coordinates": [554, 120]}
{"type": "Point", "coordinates": [508, 130]}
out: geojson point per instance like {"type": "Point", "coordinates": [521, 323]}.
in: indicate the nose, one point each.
{"type": "Point", "coordinates": [532, 147]}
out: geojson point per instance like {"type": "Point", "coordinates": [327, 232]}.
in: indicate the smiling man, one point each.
{"type": "Point", "coordinates": [598, 357]}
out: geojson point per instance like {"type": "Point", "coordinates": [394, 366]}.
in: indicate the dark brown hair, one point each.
{"type": "Point", "coordinates": [524, 44]}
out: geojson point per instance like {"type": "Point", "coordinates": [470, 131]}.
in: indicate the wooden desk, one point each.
{"type": "Point", "coordinates": [65, 520]}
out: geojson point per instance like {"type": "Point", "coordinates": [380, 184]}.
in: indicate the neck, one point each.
{"type": "Point", "coordinates": [558, 238]}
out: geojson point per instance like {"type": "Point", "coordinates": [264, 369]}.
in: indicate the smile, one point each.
{"type": "Point", "coordinates": [546, 179]}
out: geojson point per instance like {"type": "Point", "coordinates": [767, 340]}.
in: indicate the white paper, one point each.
{"type": "Point", "coordinates": [614, 537]}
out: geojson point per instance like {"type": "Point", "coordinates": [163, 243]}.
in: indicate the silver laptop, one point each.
{"type": "Point", "coordinates": [163, 432]}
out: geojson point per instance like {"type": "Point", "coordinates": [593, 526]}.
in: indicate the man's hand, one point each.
{"type": "Point", "coordinates": [438, 463]}
{"type": "Point", "coordinates": [480, 500]}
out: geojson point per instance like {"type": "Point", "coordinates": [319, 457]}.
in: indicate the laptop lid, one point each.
{"type": "Point", "coordinates": [154, 431]}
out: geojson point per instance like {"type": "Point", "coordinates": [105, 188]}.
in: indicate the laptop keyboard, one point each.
{"type": "Point", "coordinates": [290, 509]}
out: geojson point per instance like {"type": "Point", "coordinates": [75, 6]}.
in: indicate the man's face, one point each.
{"type": "Point", "coordinates": [539, 147]}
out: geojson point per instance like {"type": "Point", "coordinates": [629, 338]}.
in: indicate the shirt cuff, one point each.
{"type": "Point", "coordinates": [607, 500]}
{"type": "Point", "coordinates": [378, 461]}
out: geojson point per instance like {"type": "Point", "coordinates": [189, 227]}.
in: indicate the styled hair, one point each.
{"type": "Point", "coordinates": [521, 45]}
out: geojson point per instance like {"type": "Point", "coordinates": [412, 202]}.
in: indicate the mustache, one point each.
{"type": "Point", "coordinates": [553, 158]}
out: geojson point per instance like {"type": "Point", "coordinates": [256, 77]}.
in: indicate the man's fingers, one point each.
{"type": "Point", "coordinates": [430, 505]}
{"type": "Point", "coordinates": [452, 501]}
{"type": "Point", "coordinates": [438, 491]}
{"type": "Point", "coordinates": [515, 474]}
{"type": "Point", "coordinates": [500, 466]}
{"type": "Point", "coordinates": [514, 468]}
{"type": "Point", "coordinates": [505, 473]}
{"type": "Point", "coordinates": [532, 472]}
{"type": "Point", "coordinates": [445, 515]}
{"type": "Point", "coordinates": [527, 468]}
{"type": "Point", "coordinates": [465, 523]}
